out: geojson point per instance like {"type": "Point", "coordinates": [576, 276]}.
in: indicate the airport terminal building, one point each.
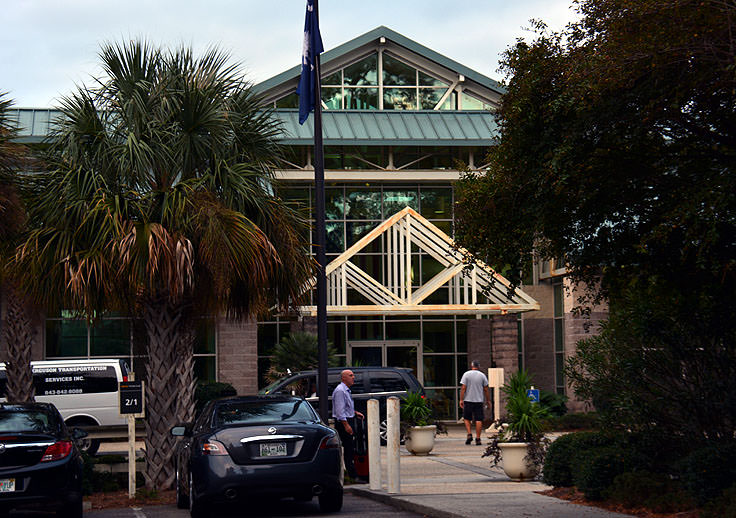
{"type": "Point", "coordinates": [398, 120]}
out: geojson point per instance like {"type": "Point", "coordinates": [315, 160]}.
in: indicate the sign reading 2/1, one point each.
{"type": "Point", "coordinates": [131, 397]}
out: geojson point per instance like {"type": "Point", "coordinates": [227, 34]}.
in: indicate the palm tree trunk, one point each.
{"type": "Point", "coordinates": [185, 375]}
{"type": "Point", "coordinates": [18, 334]}
{"type": "Point", "coordinates": [164, 328]}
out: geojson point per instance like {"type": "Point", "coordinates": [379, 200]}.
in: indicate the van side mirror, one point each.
{"type": "Point", "coordinates": [181, 430]}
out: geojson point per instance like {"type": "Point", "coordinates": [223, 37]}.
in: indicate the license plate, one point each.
{"type": "Point", "coordinates": [273, 449]}
{"type": "Point", "coordinates": [7, 485]}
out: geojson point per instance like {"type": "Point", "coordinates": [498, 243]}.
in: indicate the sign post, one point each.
{"type": "Point", "coordinates": [131, 406]}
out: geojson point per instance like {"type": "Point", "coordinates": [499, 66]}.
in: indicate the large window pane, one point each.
{"type": "Point", "coordinates": [356, 231]}
{"type": "Point", "coordinates": [335, 237]}
{"type": "Point", "coordinates": [439, 371]}
{"type": "Point", "coordinates": [430, 267]}
{"type": "Point", "coordinates": [395, 201]}
{"type": "Point", "coordinates": [399, 98]}
{"type": "Point", "coordinates": [66, 338]}
{"type": "Point", "coordinates": [402, 331]}
{"type": "Point", "coordinates": [204, 369]}
{"type": "Point", "coordinates": [427, 80]}
{"type": "Point", "coordinates": [364, 72]}
{"type": "Point", "coordinates": [436, 203]}
{"type": "Point", "coordinates": [443, 402]}
{"type": "Point", "coordinates": [429, 97]}
{"type": "Point", "coordinates": [365, 331]}
{"type": "Point", "coordinates": [361, 98]}
{"type": "Point", "coordinates": [110, 338]}
{"type": "Point", "coordinates": [397, 73]}
{"type": "Point", "coordinates": [267, 338]}
{"type": "Point", "coordinates": [333, 79]}
{"type": "Point", "coordinates": [332, 97]}
{"type": "Point", "coordinates": [438, 338]}
{"type": "Point", "coordinates": [370, 264]}
{"type": "Point", "coordinates": [290, 101]}
{"type": "Point", "coordinates": [471, 103]}
{"type": "Point", "coordinates": [204, 342]}
{"type": "Point", "coordinates": [334, 204]}
{"type": "Point", "coordinates": [462, 335]}
{"type": "Point", "coordinates": [336, 335]}
{"type": "Point", "coordinates": [363, 204]}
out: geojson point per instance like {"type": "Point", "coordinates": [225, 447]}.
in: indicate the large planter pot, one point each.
{"type": "Point", "coordinates": [515, 466]}
{"type": "Point", "coordinates": [420, 439]}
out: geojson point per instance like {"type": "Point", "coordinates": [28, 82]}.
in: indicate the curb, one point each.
{"type": "Point", "coordinates": [402, 504]}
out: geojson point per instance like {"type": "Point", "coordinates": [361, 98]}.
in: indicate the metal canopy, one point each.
{"type": "Point", "coordinates": [475, 290]}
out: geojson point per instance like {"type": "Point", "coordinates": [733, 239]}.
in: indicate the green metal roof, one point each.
{"type": "Point", "coordinates": [340, 128]}
{"type": "Point", "coordinates": [392, 127]}
{"type": "Point", "coordinates": [394, 36]}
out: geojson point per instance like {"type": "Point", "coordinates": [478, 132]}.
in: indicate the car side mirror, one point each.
{"type": "Point", "coordinates": [78, 433]}
{"type": "Point", "coordinates": [181, 430]}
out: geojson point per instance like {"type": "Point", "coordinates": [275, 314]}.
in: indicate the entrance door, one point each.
{"type": "Point", "coordinates": [388, 353]}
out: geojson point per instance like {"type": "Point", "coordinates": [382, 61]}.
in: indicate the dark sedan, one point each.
{"type": "Point", "coordinates": [248, 446]}
{"type": "Point", "coordinates": [40, 465]}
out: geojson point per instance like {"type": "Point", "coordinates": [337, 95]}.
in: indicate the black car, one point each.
{"type": "Point", "coordinates": [40, 465]}
{"type": "Point", "coordinates": [370, 383]}
{"type": "Point", "coordinates": [255, 446]}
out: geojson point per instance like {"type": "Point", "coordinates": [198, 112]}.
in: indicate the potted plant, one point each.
{"type": "Point", "coordinates": [520, 443]}
{"type": "Point", "coordinates": [417, 425]}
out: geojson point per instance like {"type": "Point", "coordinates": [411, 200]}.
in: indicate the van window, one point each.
{"type": "Point", "coordinates": [333, 380]}
{"type": "Point", "coordinates": [80, 379]}
{"type": "Point", "coordinates": [387, 381]}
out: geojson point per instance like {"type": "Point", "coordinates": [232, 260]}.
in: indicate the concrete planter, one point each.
{"type": "Point", "coordinates": [515, 466]}
{"type": "Point", "coordinates": [420, 439]}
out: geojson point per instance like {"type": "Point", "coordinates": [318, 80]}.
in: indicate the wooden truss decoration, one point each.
{"type": "Point", "coordinates": [476, 289]}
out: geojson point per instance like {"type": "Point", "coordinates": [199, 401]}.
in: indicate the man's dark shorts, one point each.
{"type": "Point", "coordinates": [473, 411]}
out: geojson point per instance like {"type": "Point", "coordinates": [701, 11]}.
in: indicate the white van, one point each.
{"type": "Point", "coordinates": [86, 392]}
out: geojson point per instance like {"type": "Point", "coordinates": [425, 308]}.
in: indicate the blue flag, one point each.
{"type": "Point", "coordinates": [312, 48]}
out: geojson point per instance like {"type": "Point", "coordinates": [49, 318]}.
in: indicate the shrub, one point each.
{"type": "Point", "coordinates": [208, 391]}
{"type": "Point", "coordinates": [557, 471]}
{"type": "Point", "coordinates": [598, 467]}
{"type": "Point", "coordinates": [656, 492]}
{"type": "Point", "coordinates": [707, 471]}
{"type": "Point", "coordinates": [722, 507]}
{"type": "Point", "coordinates": [572, 422]}
{"type": "Point", "coordinates": [553, 402]}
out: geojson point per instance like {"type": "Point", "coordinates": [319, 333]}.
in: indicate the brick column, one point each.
{"type": "Point", "coordinates": [237, 354]}
{"type": "Point", "coordinates": [505, 332]}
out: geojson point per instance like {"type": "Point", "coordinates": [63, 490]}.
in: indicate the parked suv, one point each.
{"type": "Point", "coordinates": [370, 383]}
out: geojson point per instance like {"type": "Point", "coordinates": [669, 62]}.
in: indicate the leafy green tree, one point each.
{"type": "Point", "coordinates": [158, 200]}
{"type": "Point", "coordinates": [298, 351]}
{"type": "Point", "coordinates": [617, 150]}
{"type": "Point", "coordinates": [17, 328]}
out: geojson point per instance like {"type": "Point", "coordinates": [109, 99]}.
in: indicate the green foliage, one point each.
{"type": "Point", "coordinates": [553, 402]}
{"type": "Point", "coordinates": [709, 470]}
{"type": "Point", "coordinates": [523, 417]}
{"type": "Point", "coordinates": [598, 468]}
{"type": "Point", "coordinates": [557, 470]}
{"type": "Point", "coordinates": [616, 152]}
{"type": "Point", "coordinates": [722, 507]}
{"type": "Point", "coordinates": [103, 481]}
{"type": "Point", "coordinates": [415, 410]}
{"type": "Point", "coordinates": [298, 351]}
{"type": "Point", "coordinates": [572, 422]}
{"type": "Point", "coordinates": [205, 392]}
{"type": "Point", "coordinates": [654, 491]}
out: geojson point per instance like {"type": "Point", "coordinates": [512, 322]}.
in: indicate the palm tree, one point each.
{"type": "Point", "coordinates": [158, 200]}
{"type": "Point", "coordinates": [17, 328]}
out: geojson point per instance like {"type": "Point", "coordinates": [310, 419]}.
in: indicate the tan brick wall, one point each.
{"type": "Point", "coordinates": [237, 354]}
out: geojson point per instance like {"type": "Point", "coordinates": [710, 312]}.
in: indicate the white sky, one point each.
{"type": "Point", "coordinates": [48, 46]}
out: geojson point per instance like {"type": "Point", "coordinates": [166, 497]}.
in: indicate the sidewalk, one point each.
{"type": "Point", "coordinates": [455, 482]}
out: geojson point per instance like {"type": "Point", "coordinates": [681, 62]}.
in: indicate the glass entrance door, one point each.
{"type": "Point", "coordinates": [388, 353]}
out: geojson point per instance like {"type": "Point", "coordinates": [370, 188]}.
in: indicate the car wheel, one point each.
{"type": "Point", "coordinates": [383, 433]}
{"type": "Point", "coordinates": [72, 509]}
{"type": "Point", "coordinates": [330, 501]}
{"type": "Point", "coordinates": [88, 446]}
{"type": "Point", "coordinates": [196, 507]}
{"type": "Point", "coordinates": [182, 500]}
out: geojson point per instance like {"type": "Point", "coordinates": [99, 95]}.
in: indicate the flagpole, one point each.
{"type": "Point", "coordinates": [319, 189]}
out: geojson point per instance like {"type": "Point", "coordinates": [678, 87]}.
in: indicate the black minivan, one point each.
{"type": "Point", "coordinates": [370, 383]}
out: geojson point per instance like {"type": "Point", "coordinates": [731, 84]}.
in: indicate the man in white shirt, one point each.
{"type": "Point", "coordinates": [474, 395]}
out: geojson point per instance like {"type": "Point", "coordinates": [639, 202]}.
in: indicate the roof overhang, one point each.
{"type": "Point", "coordinates": [473, 289]}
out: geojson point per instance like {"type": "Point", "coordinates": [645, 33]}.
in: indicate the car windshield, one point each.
{"type": "Point", "coordinates": [262, 412]}
{"type": "Point", "coordinates": [19, 421]}
{"type": "Point", "coordinates": [269, 388]}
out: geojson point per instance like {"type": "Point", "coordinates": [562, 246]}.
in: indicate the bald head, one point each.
{"type": "Point", "coordinates": [347, 377]}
